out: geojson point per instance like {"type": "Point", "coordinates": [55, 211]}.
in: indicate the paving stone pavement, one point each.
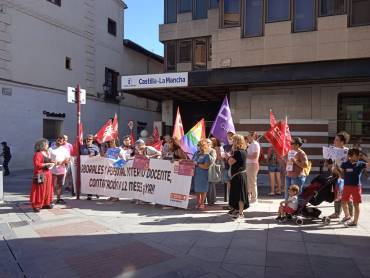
{"type": "Point", "coordinates": [103, 239]}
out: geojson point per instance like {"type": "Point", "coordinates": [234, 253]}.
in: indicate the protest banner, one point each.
{"type": "Point", "coordinates": [158, 184]}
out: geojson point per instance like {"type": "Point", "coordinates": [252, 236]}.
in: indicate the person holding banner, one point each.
{"type": "Point", "coordinates": [148, 151]}
{"type": "Point", "coordinates": [91, 150]}
{"type": "Point", "coordinates": [42, 191]}
{"type": "Point", "coordinates": [127, 148]}
{"type": "Point", "coordinates": [296, 162]}
{"type": "Point", "coordinates": [238, 199]}
{"type": "Point", "coordinates": [202, 161]}
{"type": "Point", "coordinates": [115, 153]}
{"type": "Point", "coordinates": [174, 151]}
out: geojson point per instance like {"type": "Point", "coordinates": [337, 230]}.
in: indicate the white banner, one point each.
{"type": "Point", "coordinates": [158, 184]}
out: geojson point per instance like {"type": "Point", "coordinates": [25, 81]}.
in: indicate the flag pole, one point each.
{"type": "Point", "coordinates": [78, 178]}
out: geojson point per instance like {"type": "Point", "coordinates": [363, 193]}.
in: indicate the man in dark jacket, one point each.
{"type": "Point", "coordinates": [7, 156]}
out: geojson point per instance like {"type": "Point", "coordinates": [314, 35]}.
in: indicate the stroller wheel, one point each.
{"type": "Point", "coordinates": [299, 221]}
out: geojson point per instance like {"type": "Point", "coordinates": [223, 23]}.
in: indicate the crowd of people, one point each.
{"type": "Point", "coordinates": [235, 165]}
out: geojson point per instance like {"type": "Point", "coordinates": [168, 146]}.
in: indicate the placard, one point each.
{"type": "Point", "coordinates": [186, 168]}
{"type": "Point", "coordinates": [141, 162]}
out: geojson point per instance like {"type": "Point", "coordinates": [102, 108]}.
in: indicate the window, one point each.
{"type": "Point", "coordinates": [68, 63]}
{"type": "Point", "coordinates": [170, 14]}
{"type": "Point", "coordinates": [112, 27]}
{"type": "Point", "coordinates": [200, 9]}
{"type": "Point", "coordinates": [354, 113]}
{"type": "Point", "coordinates": [253, 18]}
{"type": "Point", "coordinates": [51, 129]}
{"type": "Point", "coordinates": [111, 84]}
{"type": "Point", "coordinates": [303, 15]}
{"type": "Point", "coordinates": [231, 13]}
{"type": "Point", "coordinates": [278, 10]}
{"type": "Point", "coordinates": [185, 51]}
{"type": "Point", "coordinates": [185, 6]}
{"type": "Point", "coordinates": [200, 54]}
{"type": "Point", "coordinates": [214, 4]}
{"type": "Point", "coordinates": [56, 2]}
{"type": "Point", "coordinates": [331, 7]}
{"type": "Point", "coordinates": [359, 12]}
{"type": "Point", "coordinates": [171, 56]}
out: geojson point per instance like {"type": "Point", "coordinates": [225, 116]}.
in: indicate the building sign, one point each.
{"type": "Point", "coordinates": [165, 80]}
{"type": "Point", "coordinates": [71, 95]}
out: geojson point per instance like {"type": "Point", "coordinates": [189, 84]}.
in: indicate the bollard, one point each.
{"type": "Point", "coordinates": [1, 185]}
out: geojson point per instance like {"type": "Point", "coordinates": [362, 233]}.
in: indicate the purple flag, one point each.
{"type": "Point", "coordinates": [223, 123]}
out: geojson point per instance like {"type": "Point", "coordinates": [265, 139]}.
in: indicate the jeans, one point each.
{"type": "Point", "coordinates": [290, 181]}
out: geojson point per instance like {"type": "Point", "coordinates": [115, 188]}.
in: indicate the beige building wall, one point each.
{"type": "Point", "coordinates": [305, 102]}
{"type": "Point", "coordinates": [333, 40]}
{"type": "Point", "coordinates": [186, 27]}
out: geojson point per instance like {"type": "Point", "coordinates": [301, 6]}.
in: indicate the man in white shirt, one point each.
{"type": "Point", "coordinates": [127, 148]}
{"type": "Point", "coordinates": [61, 155]}
{"type": "Point", "coordinates": [148, 151]}
{"type": "Point", "coordinates": [253, 154]}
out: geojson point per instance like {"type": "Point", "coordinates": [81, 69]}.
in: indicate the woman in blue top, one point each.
{"type": "Point", "coordinates": [202, 162]}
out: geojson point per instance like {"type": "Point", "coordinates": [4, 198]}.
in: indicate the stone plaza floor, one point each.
{"type": "Point", "coordinates": [99, 238]}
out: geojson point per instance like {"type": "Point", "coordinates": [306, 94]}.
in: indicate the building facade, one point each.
{"type": "Point", "coordinates": [49, 45]}
{"type": "Point", "coordinates": [305, 59]}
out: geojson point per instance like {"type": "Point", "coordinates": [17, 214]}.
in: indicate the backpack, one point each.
{"type": "Point", "coordinates": [307, 169]}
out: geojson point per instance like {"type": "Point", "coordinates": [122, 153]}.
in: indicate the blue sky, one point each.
{"type": "Point", "coordinates": [142, 19]}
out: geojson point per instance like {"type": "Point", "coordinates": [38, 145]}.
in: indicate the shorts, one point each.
{"type": "Point", "coordinates": [274, 168]}
{"type": "Point", "coordinates": [354, 191]}
{"type": "Point", "coordinates": [288, 210]}
{"type": "Point", "coordinates": [59, 178]}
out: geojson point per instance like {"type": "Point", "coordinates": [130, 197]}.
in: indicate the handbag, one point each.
{"type": "Point", "coordinates": [214, 173]}
{"type": "Point", "coordinates": [39, 178]}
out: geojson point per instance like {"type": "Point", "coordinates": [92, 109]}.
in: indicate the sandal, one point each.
{"type": "Point", "coordinates": [334, 216]}
{"type": "Point", "coordinates": [271, 194]}
{"type": "Point", "coordinates": [350, 224]}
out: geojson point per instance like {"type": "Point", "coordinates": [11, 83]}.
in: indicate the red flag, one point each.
{"type": "Point", "coordinates": [279, 137]}
{"type": "Point", "coordinates": [178, 130]}
{"type": "Point", "coordinates": [74, 151]}
{"type": "Point", "coordinates": [156, 137]}
{"type": "Point", "coordinates": [272, 119]}
{"type": "Point", "coordinates": [108, 132]}
{"type": "Point", "coordinates": [157, 143]}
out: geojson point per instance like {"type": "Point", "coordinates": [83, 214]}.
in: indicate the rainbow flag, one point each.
{"type": "Point", "coordinates": [190, 140]}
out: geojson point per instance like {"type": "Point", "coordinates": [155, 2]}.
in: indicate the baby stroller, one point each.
{"type": "Point", "coordinates": [319, 190]}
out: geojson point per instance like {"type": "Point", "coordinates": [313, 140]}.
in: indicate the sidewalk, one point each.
{"type": "Point", "coordinates": [104, 239]}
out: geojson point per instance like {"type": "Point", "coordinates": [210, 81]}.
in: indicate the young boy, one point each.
{"type": "Point", "coordinates": [291, 205]}
{"type": "Point", "coordinates": [351, 171]}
